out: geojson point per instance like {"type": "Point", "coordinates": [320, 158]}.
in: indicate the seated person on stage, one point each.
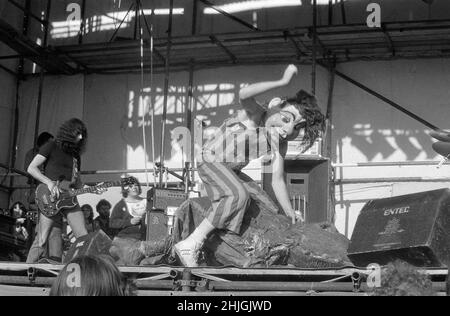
{"type": "Point", "coordinates": [128, 217]}
{"type": "Point", "coordinates": [102, 220]}
{"type": "Point", "coordinates": [270, 128]}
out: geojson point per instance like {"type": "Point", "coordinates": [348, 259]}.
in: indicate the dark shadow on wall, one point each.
{"type": "Point", "coordinates": [382, 137]}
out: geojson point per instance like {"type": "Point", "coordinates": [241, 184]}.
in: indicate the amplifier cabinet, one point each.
{"type": "Point", "coordinates": [161, 207]}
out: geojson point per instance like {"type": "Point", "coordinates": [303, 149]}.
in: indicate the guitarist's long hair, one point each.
{"type": "Point", "coordinates": [66, 138]}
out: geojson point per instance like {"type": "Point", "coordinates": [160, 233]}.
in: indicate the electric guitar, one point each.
{"type": "Point", "coordinates": [50, 205]}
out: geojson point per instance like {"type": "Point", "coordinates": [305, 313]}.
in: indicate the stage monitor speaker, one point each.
{"type": "Point", "coordinates": [96, 243]}
{"type": "Point", "coordinates": [161, 207]}
{"type": "Point", "coordinates": [414, 228]}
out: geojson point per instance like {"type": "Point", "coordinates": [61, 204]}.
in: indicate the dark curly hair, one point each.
{"type": "Point", "coordinates": [101, 203]}
{"type": "Point", "coordinates": [90, 210]}
{"type": "Point", "coordinates": [67, 135]}
{"type": "Point", "coordinates": [131, 181]}
{"type": "Point", "coordinates": [315, 121]}
{"type": "Point", "coordinates": [21, 206]}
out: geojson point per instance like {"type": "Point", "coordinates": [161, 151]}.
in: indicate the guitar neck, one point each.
{"type": "Point", "coordinates": [94, 188]}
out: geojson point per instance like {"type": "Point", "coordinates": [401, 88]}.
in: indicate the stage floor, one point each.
{"type": "Point", "coordinates": [36, 279]}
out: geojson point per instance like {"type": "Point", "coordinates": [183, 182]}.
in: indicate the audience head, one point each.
{"type": "Point", "coordinates": [103, 207]}
{"type": "Point", "coordinates": [88, 212]}
{"type": "Point", "coordinates": [91, 276]}
{"type": "Point", "coordinates": [18, 210]}
{"type": "Point", "coordinates": [402, 279]}
{"type": "Point", "coordinates": [131, 188]}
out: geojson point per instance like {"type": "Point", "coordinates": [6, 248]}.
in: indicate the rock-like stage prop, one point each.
{"type": "Point", "coordinates": [266, 240]}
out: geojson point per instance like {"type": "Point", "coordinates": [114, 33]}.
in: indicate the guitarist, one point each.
{"type": "Point", "coordinates": [61, 161]}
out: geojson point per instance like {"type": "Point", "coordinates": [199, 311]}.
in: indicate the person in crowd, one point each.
{"type": "Point", "coordinates": [255, 131]}
{"type": "Point", "coordinates": [88, 213]}
{"type": "Point", "coordinates": [92, 276]}
{"type": "Point", "coordinates": [62, 161]}
{"type": "Point", "coordinates": [102, 221]}
{"type": "Point", "coordinates": [22, 230]}
{"type": "Point", "coordinates": [19, 212]}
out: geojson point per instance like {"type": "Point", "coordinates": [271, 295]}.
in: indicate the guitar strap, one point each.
{"type": "Point", "coordinates": [75, 170]}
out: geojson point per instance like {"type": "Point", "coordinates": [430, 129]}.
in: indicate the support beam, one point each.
{"type": "Point", "coordinates": [166, 94]}
{"type": "Point", "coordinates": [228, 15]}
{"type": "Point", "coordinates": [216, 41]}
{"type": "Point", "coordinates": [41, 79]}
{"type": "Point", "coordinates": [389, 41]}
{"type": "Point", "coordinates": [20, 72]}
{"type": "Point", "coordinates": [10, 57]}
{"type": "Point", "coordinates": [150, 33]}
{"type": "Point", "coordinates": [194, 16]}
{"type": "Point", "coordinates": [43, 57]}
{"type": "Point", "coordinates": [12, 73]}
{"type": "Point", "coordinates": [329, 114]}
{"type": "Point", "coordinates": [344, 17]}
{"type": "Point", "coordinates": [113, 37]}
{"type": "Point", "coordinates": [314, 49]}
{"type": "Point", "coordinates": [330, 12]}
{"type": "Point", "coordinates": [385, 99]}
{"type": "Point", "coordinates": [329, 144]}
{"type": "Point", "coordinates": [83, 22]}
{"type": "Point", "coordinates": [28, 12]}
{"type": "Point", "coordinates": [20, 172]}
{"type": "Point", "coordinates": [299, 51]}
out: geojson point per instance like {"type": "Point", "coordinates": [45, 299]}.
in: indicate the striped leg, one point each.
{"type": "Point", "coordinates": [228, 195]}
{"type": "Point", "coordinates": [257, 194]}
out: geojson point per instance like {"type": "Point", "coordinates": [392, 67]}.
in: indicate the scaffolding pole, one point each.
{"type": "Point", "coordinates": [20, 72]}
{"type": "Point", "coordinates": [83, 22]}
{"type": "Point", "coordinates": [314, 49]}
{"type": "Point", "coordinates": [41, 77]}
{"type": "Point", "coordinates": [166, 94]}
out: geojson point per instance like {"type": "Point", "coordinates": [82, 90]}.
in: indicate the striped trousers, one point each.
{"type": "Point", "coordinates": [230, 192]}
